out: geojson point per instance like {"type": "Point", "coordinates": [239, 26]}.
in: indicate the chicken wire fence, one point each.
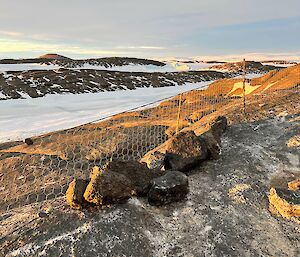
{"type": "Point", "coordinates": [42, 167]}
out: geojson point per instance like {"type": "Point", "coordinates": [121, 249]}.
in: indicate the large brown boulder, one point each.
{"type": "Point", "coordinates": [171, 187]}
{"type": "Point", "coordinates": [107, 187]}
{"type": "Point", "coordinates": [185, 151]}
{"type": "Point", "coordinates": [74, 194]}
{"type": "Point", "coordinates": [137, 173]}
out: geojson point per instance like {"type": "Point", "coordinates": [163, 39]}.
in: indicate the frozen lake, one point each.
{"type": "Point", "coordinates": [23, 118]}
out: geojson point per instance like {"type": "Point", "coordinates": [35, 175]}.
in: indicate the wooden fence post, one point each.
{"type": "Point", "coordinates": [178, 114]}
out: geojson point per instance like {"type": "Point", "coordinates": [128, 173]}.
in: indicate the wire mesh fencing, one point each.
{"type": "Point", "coordinates": [42, 167]}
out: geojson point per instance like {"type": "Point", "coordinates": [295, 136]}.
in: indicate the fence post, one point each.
{"type": "Point", "coordinates": [244, 86]}
{"type": "Point", "coordinates": [178, 113]}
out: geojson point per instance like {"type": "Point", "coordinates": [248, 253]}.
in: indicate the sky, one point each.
{"type": "Point", "coordinates": [153, 28]}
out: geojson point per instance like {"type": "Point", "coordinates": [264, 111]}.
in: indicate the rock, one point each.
{"type": "Point", "coordinates": [74, 194]}
{"type": "Point", "coordinates": [137, 173]}
{"type": "Point", "coordinates": [185, 151]}
{"type": "Point", "coordinates": [28, 141]}
{"type": "Point", "coordinates": [294, 141]}
{"type": "Point", "coordinates": [213, 146]}
{"type": "Point", "coordinates": [218, 127]}
{"type": "Point", "coordinates": [294, 185]}
{"type": "Point", "coordinates": [171, 187]}
{"type": "Point", "coordinates": [95, 172]}
{"type": "Point", "coordinates": [107, 187]}
{"type": "Point", "coordinates": [42, 214]}
{"type": "Point", "coordinates": [154, 160]}
{"type": "Point", "coordinates": [285, 203]}
{"type": "Point", "coordinates": [212, 137]}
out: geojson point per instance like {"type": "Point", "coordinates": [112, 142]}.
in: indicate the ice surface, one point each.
{"type": "Point", "coordinates": [27, 66]}
{"type": "Point", "coordinates": [21, 118]}
{"type": "Point", "coordinates": [171, 66]}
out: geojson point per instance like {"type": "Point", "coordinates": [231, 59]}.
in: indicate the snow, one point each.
{"type": "Point", "coordinates": [248, 88]}
{"type": "Point", "coordinates": [27, 66]}
{"type": "Point", "coordinates": [249, 76]}
{"type": "Point", "coordinates": [171, 66]}
{"type": "Point", "coordinates": [278, 64]}
{"type": "Point", "coordinates": [23, 95]}
{"type": "Point", "coordinates": [21, 118]}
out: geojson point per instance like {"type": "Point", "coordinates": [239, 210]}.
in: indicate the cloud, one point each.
{"type": "Point", "coordinates": [289, 56]}
{"type": "Point", "coordinates": [21, 47]}
{"type": "Point", "coordinates": [142, 47]}
{"type": "Point", "coordinates": [169, 27]}
{"type": "Point", "coordinates": [11, 33]}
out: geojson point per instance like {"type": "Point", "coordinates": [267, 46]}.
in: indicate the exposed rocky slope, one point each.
{"type": "Point", "coordinates": [71, 63]}
{"type": "Point", "coordinates": [18, 84]}
{"type": "Point", "coordinates": [280, 62]}
{"type": "Point", "coordinates": [225, 213]}
{"type": "Point", "coordinates": [274, 80]}
{"type": "Point", "coordinates": [251, 66]}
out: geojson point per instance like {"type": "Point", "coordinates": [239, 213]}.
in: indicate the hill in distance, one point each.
{"type": "Point", "coordinates": [251, 66]}
{"type": "Point", "coordinates": [54, 57]}
{"type": "Point", "coordinates": [274, 80]}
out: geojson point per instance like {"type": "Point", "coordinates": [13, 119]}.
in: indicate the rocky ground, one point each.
{"type": "Point", "coordinates": [20, 84]}
{"type": "Point", "coordinates": [225, 213]}
{"type": "Point", "coordinates": [70, 63]}
{"type": "Point", "coordinates": [251, 66]}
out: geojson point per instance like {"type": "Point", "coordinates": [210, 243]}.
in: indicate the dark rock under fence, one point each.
{"type": "Point", "coordinates": [171, 187]}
